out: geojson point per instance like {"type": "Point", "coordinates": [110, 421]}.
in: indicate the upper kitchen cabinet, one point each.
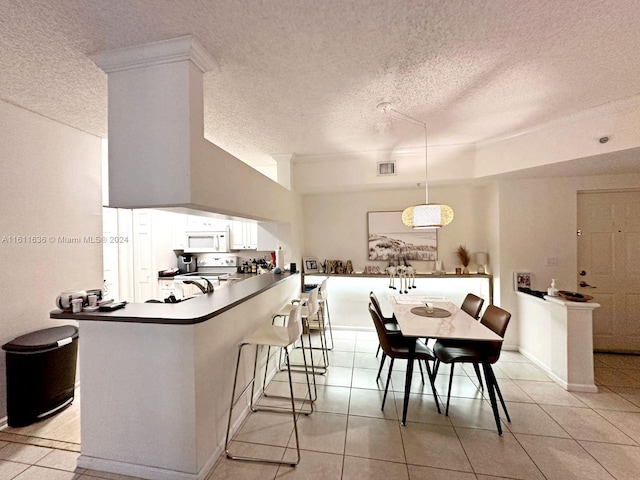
{"type": "Point", "coordinates": [253, 236]}
{"type": "Point", "coordinates": [244, 235]}
{"type": "Point", "coordinates": [197, 223]}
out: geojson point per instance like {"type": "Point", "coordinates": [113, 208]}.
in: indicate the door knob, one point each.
{"type": "Point", "coordinates": [585, 284]}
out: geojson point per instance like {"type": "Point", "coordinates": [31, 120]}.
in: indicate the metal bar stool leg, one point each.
{"type": "Point", "coordinates": [233, 401]}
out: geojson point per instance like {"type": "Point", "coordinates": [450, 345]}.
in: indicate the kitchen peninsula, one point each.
{"type": "Point", "coordinates": [156, 378]}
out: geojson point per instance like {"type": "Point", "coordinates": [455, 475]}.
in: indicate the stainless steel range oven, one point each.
{"type": "Point", "coordinates": [213, 267]}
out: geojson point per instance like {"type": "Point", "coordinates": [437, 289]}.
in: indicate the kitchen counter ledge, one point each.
{"type": "Point", "coordinates": [189, 312]}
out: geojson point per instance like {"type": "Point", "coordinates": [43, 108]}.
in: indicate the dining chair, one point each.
{"type": "Point", "coordinates": [479, 352]}
{"type": "Point", "coordinates": [472, 304]}
{"type": "Point", "coordinates": [392, 327]}
{"type": "Point", "coordinates": [390, 323]}
{"type": "Point", "coordinates": [399, 346]}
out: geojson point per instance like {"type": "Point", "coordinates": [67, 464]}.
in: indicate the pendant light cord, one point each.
{"type": "Point", "coordinates": [389, 110]}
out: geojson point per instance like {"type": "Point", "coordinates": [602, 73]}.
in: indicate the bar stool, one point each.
{"type": "Point", "coordinates": [323, 298]}
{"type": "Point", "coordinates": [271, 336]}
{"type": "Point", "coordinates": [310, 312]}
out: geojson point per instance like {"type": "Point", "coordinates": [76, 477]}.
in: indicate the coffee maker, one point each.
{"type": "Point", "coordinates": [187, 263]}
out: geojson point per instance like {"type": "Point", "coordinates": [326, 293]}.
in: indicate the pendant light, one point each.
{"type": "Point", "coordinates": [428, 215]}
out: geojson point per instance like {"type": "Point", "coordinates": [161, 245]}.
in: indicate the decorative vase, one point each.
{"type": "Point", "coordinates": [465, 270]}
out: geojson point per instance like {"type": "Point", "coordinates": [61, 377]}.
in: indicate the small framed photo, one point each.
{"type": "Point", "coordinates": [521, 280]}
{"type": "Point", "coordinates": [311, 265]}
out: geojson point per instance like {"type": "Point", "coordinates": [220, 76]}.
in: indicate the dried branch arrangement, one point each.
{"type": "Point", "coordinates": [463, 255]}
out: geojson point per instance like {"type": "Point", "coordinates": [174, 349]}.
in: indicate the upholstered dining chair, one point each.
{"type": "Point", "coordinates": [398, 346]}
{"type": "Point", "coordinates": [479, 352]}
{"type": "Point", "coordinates": [390, 323]}
{"type": "Point", "coordinates": [472, 304]}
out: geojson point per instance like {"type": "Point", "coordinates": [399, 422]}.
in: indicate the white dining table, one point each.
{"type": "Point", "coordinates": [457, 326]}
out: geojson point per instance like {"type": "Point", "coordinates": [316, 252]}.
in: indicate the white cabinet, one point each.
{"type": "Point", "coordinates": [253, 236]}
{"type": "Point", "coordinates": [244, 235]}
{"type": "Point", "coordinates": [179, 231]}
{"type": "Point", "coordinates": [197, 223]}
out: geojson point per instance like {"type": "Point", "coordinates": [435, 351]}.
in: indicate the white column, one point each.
{"type": "Point", "coordinates": [283, 164]}
{"type": "Point", "coordinates": [155, 119]}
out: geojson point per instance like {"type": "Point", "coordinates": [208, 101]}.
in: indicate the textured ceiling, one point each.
{"type": "Point", "coordinates": [304, 77]}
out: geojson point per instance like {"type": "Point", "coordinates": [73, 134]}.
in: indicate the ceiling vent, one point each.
{"type": "Point", "coordinates": [386, 168]}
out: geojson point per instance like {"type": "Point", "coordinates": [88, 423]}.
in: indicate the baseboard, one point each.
{"type": "Point", "coordinates": [134, 470]}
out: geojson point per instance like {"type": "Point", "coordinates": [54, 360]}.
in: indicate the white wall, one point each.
{"type": "Point", "coordinates": [335, 225]}
{"type": "Point", "coordinates": [520, 223]}
{"type": "Point", "coordinates": [49, 187]}
{"type": "Point", "coordinates": [538, 220]}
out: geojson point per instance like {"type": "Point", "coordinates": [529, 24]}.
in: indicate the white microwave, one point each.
{"type": "Point", "coordinates": [207, 242]}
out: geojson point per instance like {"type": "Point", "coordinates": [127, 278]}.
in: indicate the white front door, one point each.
{"type": "Point", "coordinates": [609, 266]}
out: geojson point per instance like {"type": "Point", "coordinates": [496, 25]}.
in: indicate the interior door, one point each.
{"type": "Point", "coordinates": [143, 276]}
{"type": "Point", "coordinates": [609, 266]}
{"type": "Point", "coordinates": [110, 253]}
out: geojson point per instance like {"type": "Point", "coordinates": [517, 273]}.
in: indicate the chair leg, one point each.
{"type": "Point", "coordinates": [436, 366]}
{"type": "Point", "coordinates": [476, 367]}
{"type": "Point", "coordinates": [492, 395]}
{"type": "Point", "coordinates": [323, 340]}
{"type": "Point", "coordinates": [386, 388]}
{"type": "Point", "coordinates": [293, 412]}
{"type": "Point", "coordinates": [384, 357]}
{"type": "Point", "coordinates": [326, 305]}
{"type": "Point", "coordinates": [495, 384]}
{"type": "Point", "coordinates": [449, 392]}
{"type": "Point", "coordinates": [266, 370]}
{"type": "Point", "coordinates": [253, 382]}
{"type": "Point", "coordinates": [421, 372]}
{"type": "Point", "coordinates": [233, 396]}
{"type": "Point", "coordinates": [432, 379]}
{"type": "Point", "coordinates": [306, 372]}
{"type": "Point", "coordinates": [378, 350]}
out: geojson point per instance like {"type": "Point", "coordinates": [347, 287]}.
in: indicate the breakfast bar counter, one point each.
{"type": "Point", "coordinates": [156, 378]}
{"type": "Point", "coordinates": [194, 310]}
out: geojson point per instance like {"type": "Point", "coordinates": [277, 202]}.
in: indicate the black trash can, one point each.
{"type": "Point", "coordinates": [41, 374]}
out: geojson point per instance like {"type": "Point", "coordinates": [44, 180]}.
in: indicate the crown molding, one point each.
{"type": "Point", "coordinates": [162, 52]}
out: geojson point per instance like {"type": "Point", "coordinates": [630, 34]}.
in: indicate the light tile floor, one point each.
{"type": "Point", "coordinates": [554, 434]}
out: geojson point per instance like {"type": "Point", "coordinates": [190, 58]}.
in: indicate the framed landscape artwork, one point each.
{"type": "Point", "coordinates": [389, 238]}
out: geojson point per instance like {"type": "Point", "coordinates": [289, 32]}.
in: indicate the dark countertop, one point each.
{"type": "Point", "coordinates": [189, 312]}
